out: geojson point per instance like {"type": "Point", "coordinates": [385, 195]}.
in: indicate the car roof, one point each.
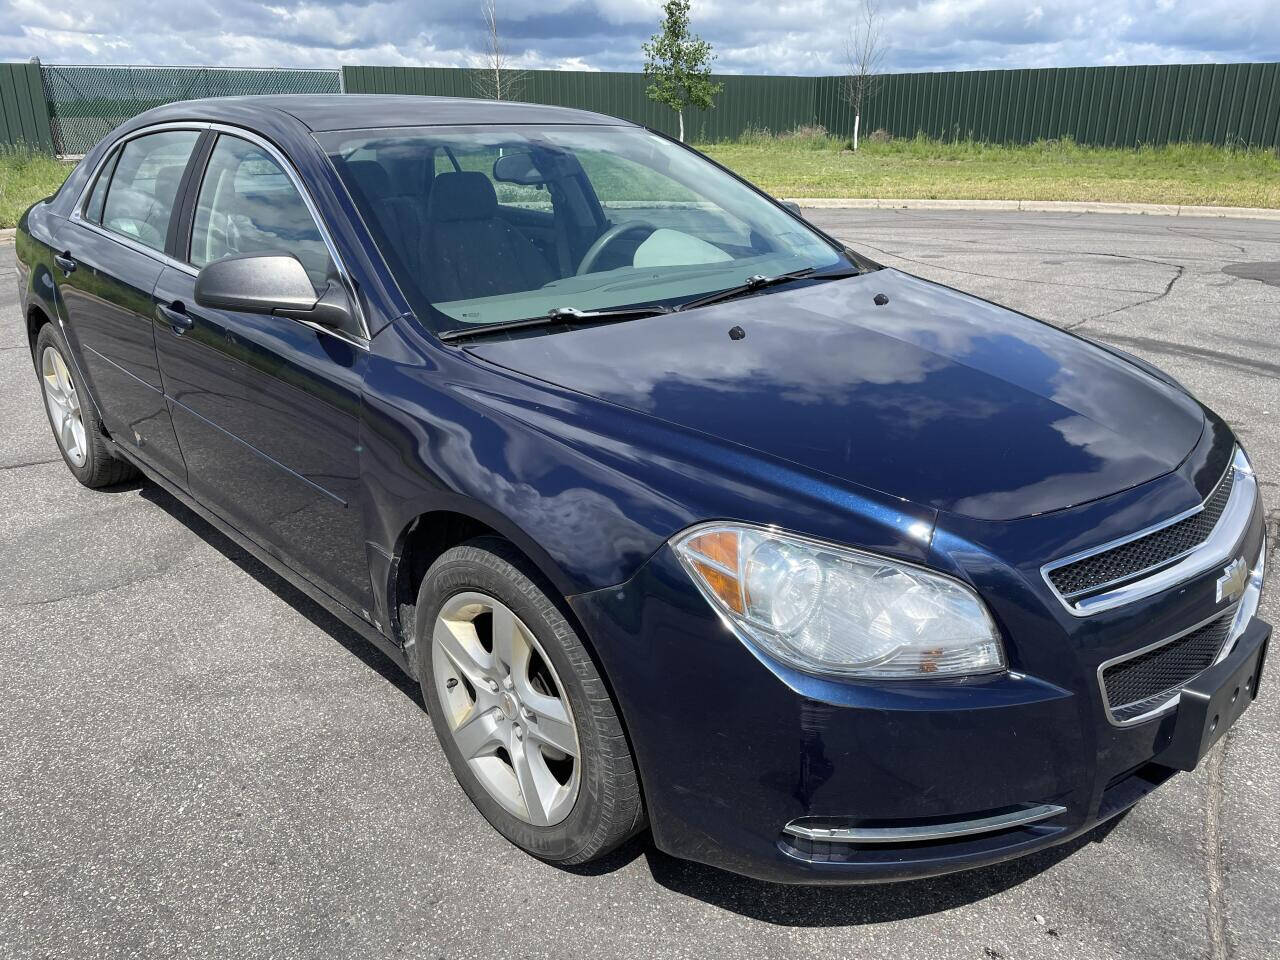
{"type": "Point", "coordinates": [358, 111]}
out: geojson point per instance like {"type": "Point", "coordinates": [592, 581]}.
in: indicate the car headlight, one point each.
{"type": "Point", "coordinates": [832, 610]}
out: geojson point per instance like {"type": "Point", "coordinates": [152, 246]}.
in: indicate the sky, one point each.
{"type": "Point", "coordinates": [749, 36]}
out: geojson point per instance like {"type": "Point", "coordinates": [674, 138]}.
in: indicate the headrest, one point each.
{"type": "Point", "coordinates": [465, 195]}
{"type": "Point", "coordinates": [370, 178]}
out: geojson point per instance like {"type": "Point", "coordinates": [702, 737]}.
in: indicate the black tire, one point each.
{"type": "Point", "coordinates": [608, 809]}
{"type": "Point", "coordinates": [100, 468]}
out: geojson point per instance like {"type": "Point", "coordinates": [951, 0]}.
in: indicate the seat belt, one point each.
{"type": "Point", "coordinates": [558, 207]}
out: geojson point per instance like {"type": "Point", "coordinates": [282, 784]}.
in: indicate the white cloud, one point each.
{"type": "Point", "coordinates": [749, 36]}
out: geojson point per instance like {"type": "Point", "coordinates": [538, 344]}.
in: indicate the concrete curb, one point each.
{"type": "Point", "coordinates": [1032, 206]}
{"type": "Point", "coordinates": [1040, 206]}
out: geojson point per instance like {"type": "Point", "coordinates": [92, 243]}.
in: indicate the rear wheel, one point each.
{"type": "Point", "coordinates": [79, 436]}
{"type": "Point", "coordinates": [522, 713]}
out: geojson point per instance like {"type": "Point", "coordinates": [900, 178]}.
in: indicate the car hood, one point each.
{"type": "Point", "coordinates": [935, 396]}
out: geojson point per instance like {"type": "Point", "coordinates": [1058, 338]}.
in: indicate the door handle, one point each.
{"type": "Point", "coordinates": [65, 263]}
{"type": "Point", "coordinates": [178, 318]}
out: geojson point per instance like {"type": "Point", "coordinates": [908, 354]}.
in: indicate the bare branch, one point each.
{"type": "Point", "coordinates": [864, 55]}
{"type": "Point", "coordinates": [496, 78]}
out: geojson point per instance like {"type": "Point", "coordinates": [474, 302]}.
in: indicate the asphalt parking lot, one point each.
{"type": "Point", "coordinates": [198, 760]}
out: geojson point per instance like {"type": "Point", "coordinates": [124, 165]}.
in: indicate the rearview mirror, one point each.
{"type": "Point", "coordinates": [273, 283]}
{"type": "Point", "coordinates": [518, 168]}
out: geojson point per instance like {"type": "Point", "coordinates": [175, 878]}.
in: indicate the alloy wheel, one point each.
{"type": "Point", "coordinates": [63, 401]}
{"type": "Point", "coordinates": [506, 709]}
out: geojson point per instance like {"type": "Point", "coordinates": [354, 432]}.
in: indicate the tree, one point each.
{"type": "Point", "coordinates": [864, 52]}
{"type": "Point", "coordinates": [678, 64]}
{"type": "Point", "coordinates": [496, 79]}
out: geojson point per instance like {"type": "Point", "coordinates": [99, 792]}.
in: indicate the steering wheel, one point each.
{"type": "Point", "coordinates": [605, 239]}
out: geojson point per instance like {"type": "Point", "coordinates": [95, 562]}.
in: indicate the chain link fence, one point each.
{"type": "Point", "coordinates": [86, 103]}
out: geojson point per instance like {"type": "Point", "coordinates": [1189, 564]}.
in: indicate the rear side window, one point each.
{"type": "Point", "coordinates": [248, 204]}
{"type": "Point", "coordinates": [93, 209]}
{"type": "Point", "coordinates": [144, 186]}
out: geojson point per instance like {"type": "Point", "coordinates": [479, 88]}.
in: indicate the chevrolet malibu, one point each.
{"type": "Point", "coordinates": [685, 516]}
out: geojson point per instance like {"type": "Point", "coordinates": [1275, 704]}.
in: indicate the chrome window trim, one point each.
{"type": "Point", "coordinates": [359, 340]}
{"type": "Point", "coordinates": [82, 201]}
{"type": "Point", "coordinates": [1172, 700]}
{"type": "Point", "coordinates": [1217, 548]}
{"type": "Point", "coordinates": [931, 831]}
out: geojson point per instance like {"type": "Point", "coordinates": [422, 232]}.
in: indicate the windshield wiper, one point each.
{"type": "Point", "coordinates": [559, 315]}
{"type": "Point", "coordinates": [760, 282]}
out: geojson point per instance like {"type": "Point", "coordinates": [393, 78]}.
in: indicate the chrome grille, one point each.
{"type": "Point", "coordinates": [1145, 553]}
{"type": "Point", "coordinates": [1143, 682]}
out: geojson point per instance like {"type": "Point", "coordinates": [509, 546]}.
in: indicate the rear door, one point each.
{"type": "Point", "coordinates": [267, 409]}
{"type": "Point", "coordinates": [111, 255]}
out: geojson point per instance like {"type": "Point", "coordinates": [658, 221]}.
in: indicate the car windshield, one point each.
{"type": "Point", "coordinates": [487, 225]}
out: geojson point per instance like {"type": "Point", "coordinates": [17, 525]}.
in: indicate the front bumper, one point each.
{"type": "Point", "coordinates": [734, 747]}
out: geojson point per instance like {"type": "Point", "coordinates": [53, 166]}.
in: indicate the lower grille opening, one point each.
{"type": "Point", "coordinates": [1141, 683]}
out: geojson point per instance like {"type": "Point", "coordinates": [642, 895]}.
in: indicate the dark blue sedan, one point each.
{"type": "Point", "coordinates": [684, 515]}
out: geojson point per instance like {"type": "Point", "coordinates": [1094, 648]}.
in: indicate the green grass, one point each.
{"type": "Point", "coordinates": [809, 163]}
{"type": "Point", "coordinates": [26, 177]}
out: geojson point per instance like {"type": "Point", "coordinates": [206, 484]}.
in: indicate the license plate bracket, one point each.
{"type": "Point", "coordinates": [1215, 699]}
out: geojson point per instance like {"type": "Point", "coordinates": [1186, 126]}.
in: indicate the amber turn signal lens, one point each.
{"type": "Point", "coordinates": [722, 585]}
{"type": "Point", "coordinates": [720, 568]}
{"type": "Point", "coordinates": [718, 546]}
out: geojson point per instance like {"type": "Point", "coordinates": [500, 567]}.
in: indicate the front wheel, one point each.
{"type": "Point", "coordinates": [524, 717]}
{"type": "Point", "coordinates": [80, 440]}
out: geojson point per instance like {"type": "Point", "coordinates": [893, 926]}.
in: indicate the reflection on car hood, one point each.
{"type": "Point", "coordinates": [935, 396]}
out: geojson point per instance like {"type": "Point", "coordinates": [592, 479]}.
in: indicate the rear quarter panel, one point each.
{"type": "Point", "coordinates": [34, 244]}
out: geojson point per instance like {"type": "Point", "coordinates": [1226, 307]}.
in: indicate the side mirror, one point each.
{"type": "Point", "coordinates": [272, 283]}
{"type": "Point", "coordinates": [793, 207]}
{"type": "Point", "coordinates": [518, 168]}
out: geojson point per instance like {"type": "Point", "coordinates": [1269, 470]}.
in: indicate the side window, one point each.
{"type": "Point", "coordinates": [139, 200]}
{"type": "Point", "coordinates": [248, 204]}
{"type": "Point", "coordinates": [93, 209]}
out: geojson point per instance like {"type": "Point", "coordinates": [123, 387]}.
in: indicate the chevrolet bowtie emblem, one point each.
{"type": "Point", "coordinates": [1233, 581]}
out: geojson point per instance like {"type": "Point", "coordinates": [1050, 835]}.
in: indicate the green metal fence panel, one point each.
{"type": "Point", "coordinates": [68, 108]}
{"type": "Point", "coordinates": [1225, 104]}
{"type": "Point", "coordinates": [86, 103]}
{"type": "Point", "coordinates": [1236, 104]}
{"type": "Point", "coordinates": [774, 103]}
{"type": "Point", "coordinates": [24, 117]}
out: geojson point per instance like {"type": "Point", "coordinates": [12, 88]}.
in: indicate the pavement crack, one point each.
{"type": "Point", "coordinates": [1216, 912]}
{"type": "Point", "coordinates": [1187, 233]}
{"type": "Point", "coordinates": [94, 591]}
{"type": "Point", "coordinates": [28, 463]}
{"type": "Point", "coordinates": [941, 265]}
{"type": "Point", "coordinates": [1271, 522]}
{"type": "Point", "coordinates": [1231, 361]}
{"type": "Point", "coordinates": [1179, 271]}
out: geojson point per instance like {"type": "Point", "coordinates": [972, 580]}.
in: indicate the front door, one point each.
{"type": "Point", "coordinates": [267, 409]}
